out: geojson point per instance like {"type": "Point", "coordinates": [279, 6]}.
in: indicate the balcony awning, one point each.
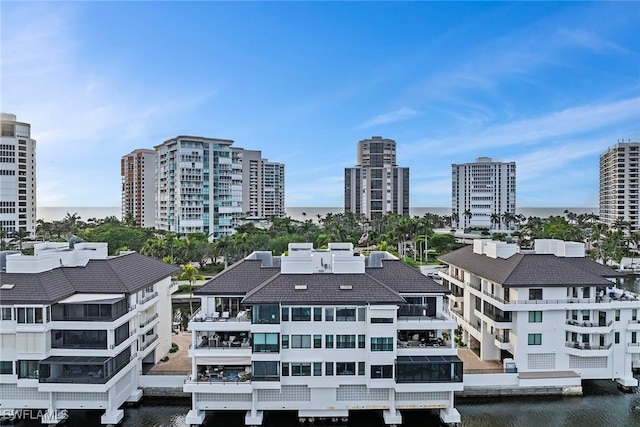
{"type": "Point", "coordinates": [85, 298]}
{"type": "Point", "coordinates": [226, 360]}
{"type": "Point", "coordinates": [76, 360]}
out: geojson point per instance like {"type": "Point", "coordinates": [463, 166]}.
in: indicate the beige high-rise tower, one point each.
{"type": "Point", "coordinates": [17, 177]}
{"type": "Point", "coordinates": [619, 181]}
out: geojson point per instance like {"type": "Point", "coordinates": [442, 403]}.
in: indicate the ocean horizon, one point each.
{"type": "Point", "coordinates": [300, 213]}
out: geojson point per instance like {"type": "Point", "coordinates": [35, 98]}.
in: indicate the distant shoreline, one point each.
{"type": "Point", "coordinates": [49, 213]}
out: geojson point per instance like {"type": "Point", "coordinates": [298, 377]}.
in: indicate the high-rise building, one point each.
{"type": "Point", "coordinates": [17, 177]}
{"type": "Point", "coordinates": [204, 185]}
{"type": "Point", "coordinates": [197, 188]}
{"type": "Point", "coordinates": [376, 185]}
{"type": "Point", "coordinates": [137, 170]}
{"type": "Point", "coordinates": [262, 184]}
{"type": "Point", "coordinates": [483, 194]}
{"type": "Point", "coordinates": [619, 184]}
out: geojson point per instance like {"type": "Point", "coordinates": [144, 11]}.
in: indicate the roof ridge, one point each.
{"type": "Point", "coordinates": [384, 285]}
{"type": "Point", "coordinates": [513, 270]}
{"type": "Point", "coordinates": [261, 285]}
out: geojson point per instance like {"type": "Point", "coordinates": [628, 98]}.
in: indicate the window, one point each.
{"type": "Point", "coordinates": [328, 314]}
{"type": "Point", "coordinates": [301, 369]}
{"type": "Point", "coordinates": [362, 314]}
{"type": "Point", "coordinates": [345, 368]}
{"type": "Point", "coordinates": [617, 315]}
{"type": "Point", "coordinates": [616, 337]}
{"type": "Point", "coordinates": [285, 314]}
{"type": "Point", "coordinates": [381, 320]}
{"type": "Point", "coordinates": [345, 341]}
{"type": "Point", "coordinates": [317, 369]}
{"type": "Point", "coordinates": [5, 313]}
{"type": "Point", "coordinates": [29, 315]}
{"type": "Point", "coordinates": [361, 341]}
{"type": "Point", "coordinates": [381, 344]}
{"type": "Point", "coordinates": [317, 341]}
{"type": "Point", "coordinates": [285, 369]}
{"type": "Point", "coordinates": [328, 368]}
{"type": "Point", "coordinates": [328, 341]}
{"type": "Point", "coordinates": [300, 341]}
{"type": "Point", "coordinates": [6, 367]}
{"type": "Point", "coordinates": [535, 317]}
{"type": "Point", "coordinates": [28, 369]}
{"type": "Point", "coordinates": [265, 342]}
{"type": "Point", "coordinates": [361, 368]}
{"type": "Point", "coordinates": [285, 341]}
{"type": "Point", "coordinates": [535, 293]}
{"type": "Point", "coordinates": [381, 371]}
{"type": "Point", "coordinates": [634, 337]}
{"type": "Point", "coordinates": [266, 313]}
{"type": "Point", "coordinates": [535, 339]}
{"type": "Point", "coordinates": [345, 314]}
{"type": "Point", "coordinates": [317, 314]}
{"type": "Point", "coordinates": [301, 314]}
{"type": "Point", "coordinates": [634, 314]}
{"type": "Point", "coordinates": [265, 371]}
{"type": "Point", "coordinates": [585, 314]}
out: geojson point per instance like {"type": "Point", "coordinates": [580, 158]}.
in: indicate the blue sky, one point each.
{"type": "Point", "coordinates": [547, 85]}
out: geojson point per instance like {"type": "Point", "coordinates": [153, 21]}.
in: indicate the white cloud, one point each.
{"type": "Point", "coordinates": [390, 117]}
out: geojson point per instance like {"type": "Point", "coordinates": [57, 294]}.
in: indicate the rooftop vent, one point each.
{"type": "Point", "coordinates": [301, 287]}
{"type": "Point", "coordinates": [7, 286]}
{"type": "Point", "coordinates": [346, 287]}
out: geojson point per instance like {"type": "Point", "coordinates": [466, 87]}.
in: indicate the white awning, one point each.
{"type": "Point", "coordinates": [81, 298]}
{"type": "Point", "coordinates": [227, 360]}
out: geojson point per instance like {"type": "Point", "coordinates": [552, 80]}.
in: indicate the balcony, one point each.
{"type": "Point", "coordinates": [148, 321]}
{"type": "Point", "coordinates": [104, 312]}
{"type": "Point", "coordinates": [589, 327]}
{"type": "Point", "coordinates": [496, 297]}
{"type": "Point", "coordinates": [150, 339]}
{"type": "Point", "coordinates": [633, 347]}
{"type": "Point", "coordinates": [148, 298]}
{"type": "Point", "coordinates": [82, 369]}
{"type": "Point", "coordinates": [428, 369]}
{"type": "Point", "coordinates": [225, 316]}
{"type": "Point", "coordinates": [634, 325]}
{"type": "Point", "coordinates": [586, 349]}
{"type": "Point", "coordinates": [225, 341]}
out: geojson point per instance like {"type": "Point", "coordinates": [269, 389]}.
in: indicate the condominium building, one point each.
{"type": "Point", "coordinates": [619, 185]}
{"type": "Point", "coordinates": [198, 190]}
{"type": "Point", "coordinates": [322, 333]}
{"type": "Point", "coordinates": [376, 186]}
{"type": "Point", "coordinates": [483, 194]}
{"type": "Point", "coordinates": [17, 177]}
{"type": "Point", "coordinates": [262, 184]}
{"type": "Point", "coordinates": [77, 326]}
{"type": "Point", "coordinates": [553, 311]}
{"type": "Point", "coordinates": [137, 171]}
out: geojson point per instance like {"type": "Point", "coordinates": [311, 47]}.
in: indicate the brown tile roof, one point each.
{"type": "Point", "coordinates": [266, 284]}
{"type": "Point", "coordinates": [238, 279]}
{"type": "Point", "coordinates": [124, 274]}
{"type": "Point", "coordinates": [405, 279]}
{"type": "Point", "coordinates": [524, 270]}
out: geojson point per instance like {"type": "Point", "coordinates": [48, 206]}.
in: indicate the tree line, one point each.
{"type": "Point", "coordinates": [399, 234]}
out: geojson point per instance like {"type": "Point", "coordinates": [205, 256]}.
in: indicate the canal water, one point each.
{"type": "Point", "coordinates": [602, 405]}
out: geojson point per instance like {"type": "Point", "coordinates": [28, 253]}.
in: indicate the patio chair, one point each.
{"type": "Point", "coordinates": [225, 315]}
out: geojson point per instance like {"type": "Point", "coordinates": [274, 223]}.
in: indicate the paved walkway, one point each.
{"type": "Point", "coordinates": [472, 362]}
{"type": "Point", "coordinates": [179, 362]}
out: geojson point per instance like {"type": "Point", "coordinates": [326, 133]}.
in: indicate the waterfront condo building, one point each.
{"type": "Point", "coordinates": [376, 186]}
{"type": "Point", "coordinates": [483, 194]}
{"type": "Point", "coordinates": [322, 332]}
{"type": "Point", "coordinates": [553, 311]}
{"type": "Point", "coordinates": [77, 326]}
{"type": "Point", "coordinates": [17, 177]}
{"type": "Point", "coordinates": [262, 184]}
{"type": "Point", "coordinates": [137, 172]}
{"type": "Point", "coordinates": [619, 185]}
{"type": "Point", "coordinates": [203, 185]}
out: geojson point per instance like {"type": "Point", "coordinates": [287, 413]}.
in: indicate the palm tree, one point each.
{"type": "Point", "coordinates": [467, 214]}
{"type": "Point", "coordinates": [19, 236]}
{"type": "Point", "coordinates": [495, 219]}
{"type": "Point", "coordinates": [455, 218]}
{"type": "Point", "coordinates": [190, 273]}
